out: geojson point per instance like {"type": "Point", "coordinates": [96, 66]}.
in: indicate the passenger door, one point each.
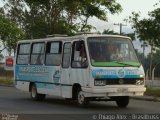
{"type": "Point", "coordinates": [53, 61]}
{"type": "Point", "coordinates": [66, 87]}
{"type": "Point", "coordinates": [79, 64]}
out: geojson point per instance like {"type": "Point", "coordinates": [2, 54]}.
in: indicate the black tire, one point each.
{"type": "Point", "coordinates": [81, 99]}
{"type": "Point", "coordinates": [34, 95]}
{"type": "Point", "coordinates": [122, 101]}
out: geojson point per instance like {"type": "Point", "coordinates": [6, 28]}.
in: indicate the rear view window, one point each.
{"type": "Point", "coordinates": [23, 54]}
{"type": "Point", "coordinates": [37, 55]}
{"type": "Point", "coordinates": [66, 55]}
{"type": "Point", "coordinates": [53, 53]}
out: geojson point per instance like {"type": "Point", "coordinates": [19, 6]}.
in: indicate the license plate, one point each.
{"type": "Point", "coordinates": [122, 90]}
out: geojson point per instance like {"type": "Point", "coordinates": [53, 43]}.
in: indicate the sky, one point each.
{"type": "Point", "coordinates": [143, 6]}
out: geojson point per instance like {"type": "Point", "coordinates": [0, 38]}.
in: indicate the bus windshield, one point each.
{"type": "Point", "coordinates": [112, 51]}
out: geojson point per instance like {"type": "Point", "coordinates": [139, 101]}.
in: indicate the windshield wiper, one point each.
{"type": "Point", "coordinates": [126, 64]}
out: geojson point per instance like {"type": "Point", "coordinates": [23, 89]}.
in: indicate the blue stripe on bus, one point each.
{"type": "Point", "coordinates": [117, 73]}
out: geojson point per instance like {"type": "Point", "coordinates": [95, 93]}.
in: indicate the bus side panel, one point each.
{"type": "Point", "coordinates": [66, 91]}
{"type": "Point", "coordinates": [72, 76]}
{"type": "Point", "coordinates": [50, 89]}
{"type": "Point", "coordinates": [66, 85]}
{"type": "Point", "coordinates": [80, 76]}
{"type": "Point", "coordinates": [46, 78]}
{"type": "Point", "coordinates": [22, 85]}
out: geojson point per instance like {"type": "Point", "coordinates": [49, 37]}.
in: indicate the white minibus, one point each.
{"type": "Point", "coordinates": [86, 67]}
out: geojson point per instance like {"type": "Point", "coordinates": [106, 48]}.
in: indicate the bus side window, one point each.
{"type": "Point", "coordinates": [37, 55]}
{"type": "Point", "coordinates": [23, 53]}
{"type": "Point", "coordinates": [66, 55]}
{"type": "Point", "coordinates": [79, 57]}
{"type": "Point", "coordinates": [53, 53]}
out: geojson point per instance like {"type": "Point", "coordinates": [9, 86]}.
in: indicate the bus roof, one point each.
{"type": "Point", "coordinates": [70, 38]}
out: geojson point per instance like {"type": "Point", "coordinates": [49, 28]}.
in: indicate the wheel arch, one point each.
{"type": "Point", "coordinates": [75, 88]}
{"type": "Point", "coordinates": [30, 86]}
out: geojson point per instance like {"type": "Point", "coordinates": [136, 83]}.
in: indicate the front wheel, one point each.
{"type": "Point", "coordinates": [122, 101]}
{"type": "Point", "coordinates": [35, 95]}
{"type": "Point", "coordinates": [81, 99]}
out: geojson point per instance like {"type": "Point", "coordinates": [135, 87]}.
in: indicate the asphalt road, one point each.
{"type": "Point", "coordinates": [14, 102]}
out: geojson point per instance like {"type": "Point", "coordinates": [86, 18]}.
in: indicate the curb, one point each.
{"type": "Point", "coordinates": [147, 98]}
{"type": "Point", "coordinates": [3, 85]}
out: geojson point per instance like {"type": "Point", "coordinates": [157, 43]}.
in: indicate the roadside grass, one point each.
{"type": "Point", "coordinates": [6, 78]}
{"type": "Point", "coordinates": [153, 91]}
{"type": "Point", "coordinates": [7, 81]}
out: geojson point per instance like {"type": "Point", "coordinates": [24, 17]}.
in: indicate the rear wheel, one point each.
{"type": "Point", "coordinates": [122, 101]}
{"type": "Point", "coordinates": [81, 99]}
{"type": "Point", "coordinates": [35, 95]}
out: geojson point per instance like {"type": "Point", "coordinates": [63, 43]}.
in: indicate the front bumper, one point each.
{"type": "Point", "coordinates": [114, 91]}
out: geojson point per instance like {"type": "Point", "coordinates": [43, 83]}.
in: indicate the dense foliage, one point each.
{"type": "Point", "coordinates": [147, 30]}
{"type": "Point", "coordinates": [39, 18]}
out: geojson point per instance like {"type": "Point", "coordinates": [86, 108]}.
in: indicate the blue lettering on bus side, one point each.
{"type": "Point", "coordinates": [121, 73]}
{"type": "Point", "coordinates": [37, 73]}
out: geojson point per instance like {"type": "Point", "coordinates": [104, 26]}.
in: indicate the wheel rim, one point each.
{"type": "Point", "coordinates": [33, 92]}
{"type": "Point", "coordinates": [81, 97]}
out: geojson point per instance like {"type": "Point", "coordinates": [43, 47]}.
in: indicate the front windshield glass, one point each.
{"type": "Point", "coordinates": [111, 51]}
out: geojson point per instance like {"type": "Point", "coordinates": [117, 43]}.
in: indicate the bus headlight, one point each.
{"type": "Point", "coordinates": [99, 82]}
{"type": "Point", "coordinates": [141, 76]}
{"type": "Point", "coordinates": [139, 82]}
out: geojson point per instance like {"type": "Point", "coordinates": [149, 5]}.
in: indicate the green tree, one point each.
{"type": "Point", "coordinates": [156, 58]}
{"type": "Point", "coordinates": [39, 18]}
{"type": "Point", "coordinates": [10, 34]}
{"type": "Point", "coordinates": [156, 62]}
{"type": "Point", "coordinates": [147, 29]}
{"type": "Point", "coordinates": [1, 57]}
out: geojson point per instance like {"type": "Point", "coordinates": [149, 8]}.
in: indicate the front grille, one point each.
{"type": "Point", "coordinates": [121, 81]}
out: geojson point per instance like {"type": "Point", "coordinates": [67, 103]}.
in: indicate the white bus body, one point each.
{"type": "Point", "coordinates": [80, 68]}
